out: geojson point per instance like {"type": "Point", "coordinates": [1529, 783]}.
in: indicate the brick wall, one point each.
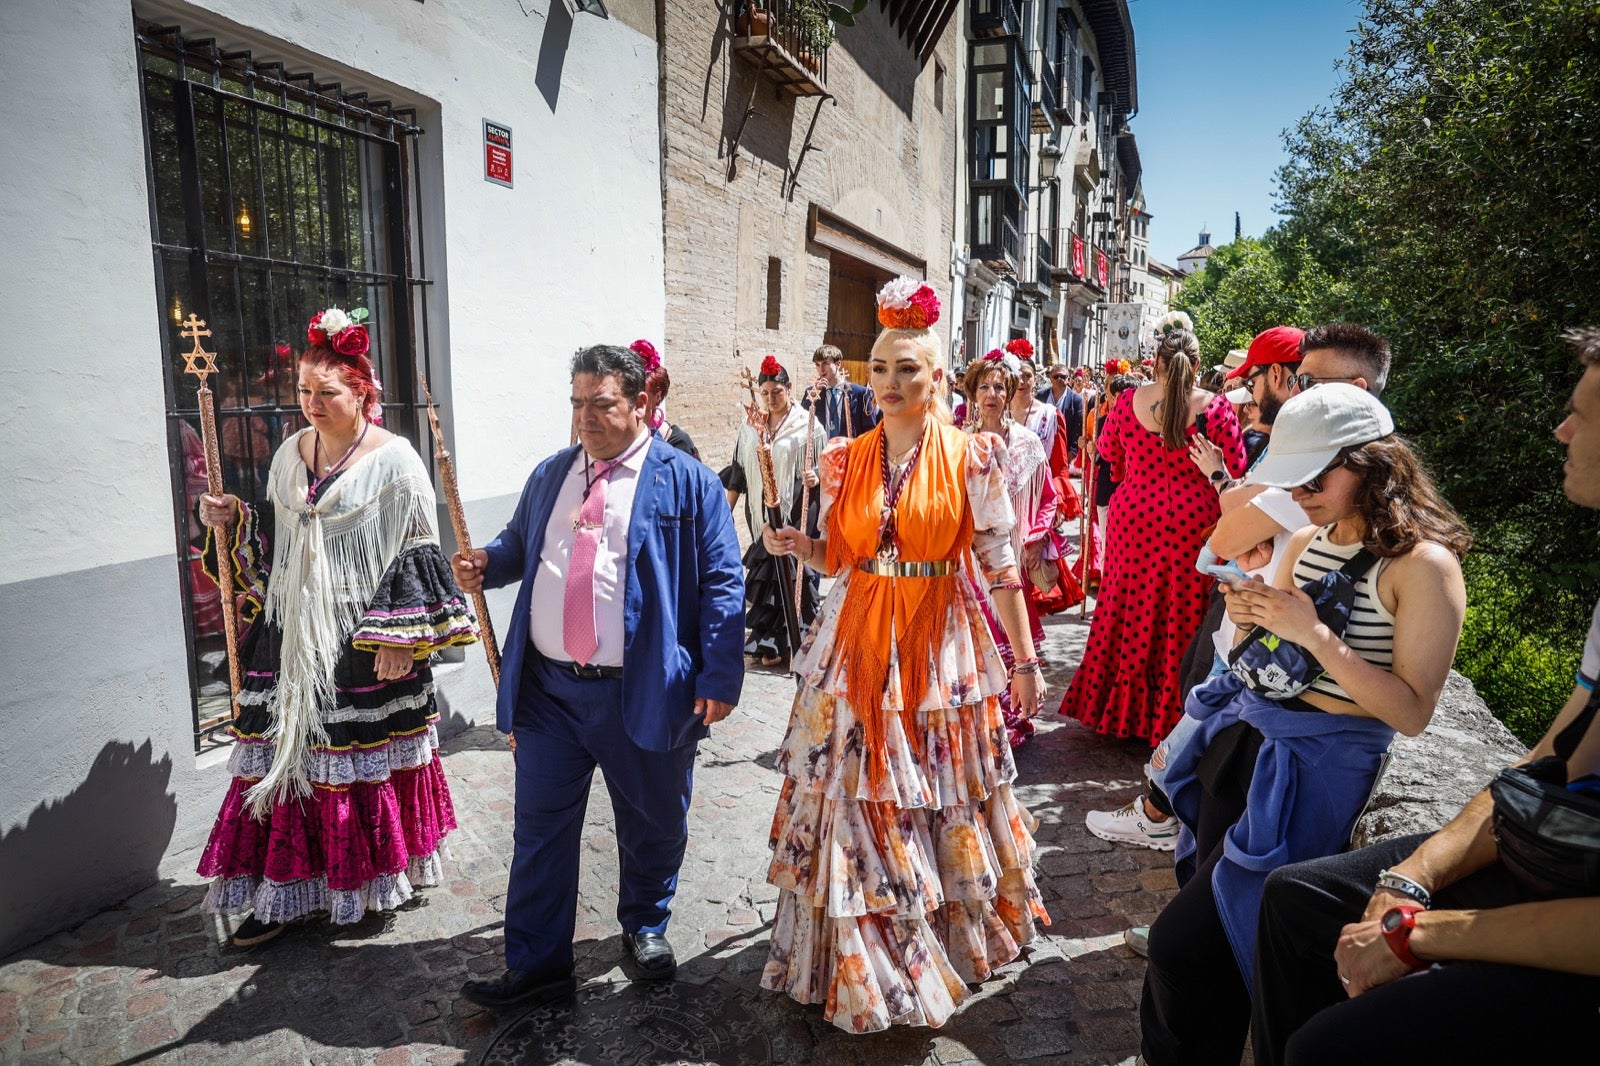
{"type": "Point", "coordinates": [882, 156]}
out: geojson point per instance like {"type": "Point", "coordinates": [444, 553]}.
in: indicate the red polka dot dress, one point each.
{"type": "Point", "coordinates": [1152, 600]}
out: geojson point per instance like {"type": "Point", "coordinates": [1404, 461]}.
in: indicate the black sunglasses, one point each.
{"type": "Point", "coordinates": [1302, 382]}
{"type": "Point", "coordinates": [1315, 484]}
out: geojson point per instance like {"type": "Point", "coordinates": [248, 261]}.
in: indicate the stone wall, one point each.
{"type": "Point", "coordinates": [1432, 776]}
{"type": "Point", "coordinates": [882, 155]}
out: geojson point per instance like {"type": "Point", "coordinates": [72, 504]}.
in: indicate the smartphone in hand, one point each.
{"type": "Point", "coordinates": [1228, 572]}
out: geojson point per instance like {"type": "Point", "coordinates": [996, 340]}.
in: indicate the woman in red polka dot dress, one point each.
{"type": "Point", "coordinates": [1152, 600]}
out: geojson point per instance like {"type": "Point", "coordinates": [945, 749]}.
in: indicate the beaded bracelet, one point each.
{"type": "Point", "coordinates": [1026, 666]}
{"type": "Point", "coordinates": [1006, 586]}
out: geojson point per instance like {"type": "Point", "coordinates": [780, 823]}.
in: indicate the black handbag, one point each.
{"type": "Point", "coordinates": [1549, 833]}
{"type": "Point", "coordinates": [1281, 669]}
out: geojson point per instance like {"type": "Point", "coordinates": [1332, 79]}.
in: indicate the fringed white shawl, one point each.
{"type": "Point", "coordinates": [788, 459]}
{"type": "Point", "coordinates": [327, 560]}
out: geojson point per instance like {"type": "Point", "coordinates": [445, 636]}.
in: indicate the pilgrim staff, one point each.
{"type": "Point", "coordinates": [202, 364]}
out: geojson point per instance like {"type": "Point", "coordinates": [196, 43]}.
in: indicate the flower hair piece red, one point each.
{"type": "Point", "coordinates": [647, 352]}
{"type": "Point", "coordinates": [993, 355]}
{"type": "Point", "coordinates": [771, 368]}
{"type": "Point", "coordinates": [906, 303]}
{"type": "Point", "coordinates": [1020, 347]}
{"type": "Point", "coordinates": [341, 331]}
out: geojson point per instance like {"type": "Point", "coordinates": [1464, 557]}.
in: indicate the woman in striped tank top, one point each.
{"type": "Point", "coordinates": [1285, 780]}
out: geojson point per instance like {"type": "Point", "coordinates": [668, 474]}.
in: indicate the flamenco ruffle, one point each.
{"type": "Point", "coordinates": [275, 901]}
{"type": "Point", "coordinates": [877, 970]}
{"type": "Point", "coordinates": [347, 839]}
{"type": "Point", "coordinates": [416, 605]}
{"type": "Point", "coordinates": [252, 758]}
{"type": "Point", "coordinates": [963, 753]}
{"type": "Point", "coordinates": [866, 858]}
{"type": "Point", "coordinates": [893, 900]}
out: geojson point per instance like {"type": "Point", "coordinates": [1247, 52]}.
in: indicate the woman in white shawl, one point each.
{"type": "Point", "coordinates": [338, 801]}
{"type": "Point", "coordinates": [990, 384]}
{"type": "Point", "coordinates": [789, 428]}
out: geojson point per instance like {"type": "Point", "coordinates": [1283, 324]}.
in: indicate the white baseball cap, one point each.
{"type": "Point", "coordinates": [1313, 427]}
{"type": "Point", "coordinates": [1238, 396]}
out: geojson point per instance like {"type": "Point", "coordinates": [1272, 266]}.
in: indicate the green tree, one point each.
{"type": "Point", "coordinates": [1449, 190]}
{"type": "Point", "coordinates": [1251, 284]}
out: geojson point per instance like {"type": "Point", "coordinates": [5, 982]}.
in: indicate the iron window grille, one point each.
{"type": "Point", "coordinates": [273, 194]}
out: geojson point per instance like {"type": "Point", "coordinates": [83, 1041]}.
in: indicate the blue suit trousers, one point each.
{"type": "Point", "coordinates": [565, 727]}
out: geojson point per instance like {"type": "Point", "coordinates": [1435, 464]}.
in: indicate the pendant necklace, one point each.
{"type": "Point", "coordinates": [316, 482]}
{"type": "Point", "coordinates": [894, 483]}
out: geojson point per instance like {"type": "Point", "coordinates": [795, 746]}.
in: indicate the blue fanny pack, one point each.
{"type": "Point", "coordinates": [1281, 669]}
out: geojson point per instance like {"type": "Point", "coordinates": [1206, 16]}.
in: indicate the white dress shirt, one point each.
{"type": "Point", "coordinates": [610, 564]}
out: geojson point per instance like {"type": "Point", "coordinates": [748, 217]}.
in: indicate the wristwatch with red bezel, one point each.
{"type": "Point", "coordinates": [1398, 922]}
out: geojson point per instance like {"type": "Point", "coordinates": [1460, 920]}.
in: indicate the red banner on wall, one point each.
{"type": "Point", "coordinates": [1102, 269]}
{"type": "Point", "coordinates": [1079, 270]}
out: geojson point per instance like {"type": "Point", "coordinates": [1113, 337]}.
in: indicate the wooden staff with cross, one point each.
{"type": "Point", "coordinates": [458, 523]}
{"type": "Point", "coordinates": [202, 364]}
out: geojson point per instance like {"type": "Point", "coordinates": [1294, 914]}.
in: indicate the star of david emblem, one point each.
{"type": "Point", "coordinates": [199, 362]}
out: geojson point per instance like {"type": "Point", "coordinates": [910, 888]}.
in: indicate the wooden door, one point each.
{"type": "Point", "coordinates": [853, 311]}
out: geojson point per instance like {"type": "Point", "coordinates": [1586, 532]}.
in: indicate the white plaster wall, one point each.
{"type": "Point", "coordinates": [85, 478]}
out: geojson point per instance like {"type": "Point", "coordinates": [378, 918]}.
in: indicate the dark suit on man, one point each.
{"type": "Point", "coordinates": [1071, 407]}
{"type": "Point", "coordinates": [683, 624]}
{"type": "Point", "coordinates": [846, 396]}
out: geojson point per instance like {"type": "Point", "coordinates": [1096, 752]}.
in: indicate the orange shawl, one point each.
{"type": "Point", "coordinates": [934, 523]}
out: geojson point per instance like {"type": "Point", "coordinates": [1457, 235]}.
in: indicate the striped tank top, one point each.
{"type": "Point", "coordinates": [1370, 633]}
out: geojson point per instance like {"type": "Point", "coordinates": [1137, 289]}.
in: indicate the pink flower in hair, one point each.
{"type": "Point", "coordinates": [647, 352]}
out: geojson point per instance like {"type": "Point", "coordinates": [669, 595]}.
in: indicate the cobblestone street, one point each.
{"type": "Point", "coordinates": [154, 981]}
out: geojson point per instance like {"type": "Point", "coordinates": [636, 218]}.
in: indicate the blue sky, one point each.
{"type": "Point", "coordinates": [1219, 81]}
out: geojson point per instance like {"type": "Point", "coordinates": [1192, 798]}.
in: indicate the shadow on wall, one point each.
{"type": "Point", "coordinates": [88, 850]}
{"type": "Point", "coordinates": [553, 53]}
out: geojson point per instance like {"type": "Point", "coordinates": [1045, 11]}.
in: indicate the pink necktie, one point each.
{"type": "Point", "coordinates": [580, 633]}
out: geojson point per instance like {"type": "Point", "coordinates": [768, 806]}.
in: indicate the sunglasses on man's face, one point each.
{"type": "Point", "coordinates": [1302, 382]}
{"type": "Point", "coordinates": [1315, 484]}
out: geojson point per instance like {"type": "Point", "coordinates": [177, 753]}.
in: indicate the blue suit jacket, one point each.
{"type": "Point", "coordinates": [864, 413]}
{"type": "Point", "coordinates": [683, 609]}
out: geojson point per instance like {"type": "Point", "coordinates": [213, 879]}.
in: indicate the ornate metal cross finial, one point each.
{"type": "Point", "coordinates": [199, 362]}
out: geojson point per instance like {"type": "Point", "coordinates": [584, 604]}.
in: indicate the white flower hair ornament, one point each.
{"type": "Point", "coordinates": [906, 303]}
{"type": "Point", "coordinates": [1173, 320]}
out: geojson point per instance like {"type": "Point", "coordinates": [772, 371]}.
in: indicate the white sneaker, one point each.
{"type": "Point", "coordinates": [1130, 826]}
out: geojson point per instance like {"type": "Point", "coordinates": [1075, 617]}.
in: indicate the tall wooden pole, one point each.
{"type": "Point", "coordinates": [458, 523]}
{"type": "Point", "coordinates": [202, 364]}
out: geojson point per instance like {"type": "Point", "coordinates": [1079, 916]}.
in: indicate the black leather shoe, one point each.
{"type": "Point", "coordinates": [652, 954]}
{"type": "Point", "coordinates": [521, 988]}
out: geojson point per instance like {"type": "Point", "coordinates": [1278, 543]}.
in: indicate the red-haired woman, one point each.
{"type": "Point", "coordinates": [657, 383]}
{"type": "Point", "coordinates": [338, 801]}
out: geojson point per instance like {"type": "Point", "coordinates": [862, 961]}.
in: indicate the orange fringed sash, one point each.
{"type": "Point", "coordinates": [934, 523]}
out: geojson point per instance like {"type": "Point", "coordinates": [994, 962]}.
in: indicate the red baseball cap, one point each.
{"type": "Point", "coordinates": [1280, 344]}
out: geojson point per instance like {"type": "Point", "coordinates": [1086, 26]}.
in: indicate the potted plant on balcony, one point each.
{"type": "Point", "coordinates": [753, 20]}
{"type": "Point", "coordinates": [817, 22]}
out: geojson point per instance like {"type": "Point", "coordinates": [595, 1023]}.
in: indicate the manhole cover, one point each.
{"type": "Point", "coordinates": [635, 1025]}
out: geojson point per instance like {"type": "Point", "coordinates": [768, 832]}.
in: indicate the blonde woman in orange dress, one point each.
{"type": "Point", "coordinates": [905, 863]}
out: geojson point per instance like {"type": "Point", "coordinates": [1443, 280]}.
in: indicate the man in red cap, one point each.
{"type": "Point", "coordinates": [1269, 367]}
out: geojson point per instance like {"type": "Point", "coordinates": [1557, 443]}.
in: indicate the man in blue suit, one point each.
{"type": "Point", "coordinates": [626, 645]}
{"type": "Point", "coordinates": [844, 408]}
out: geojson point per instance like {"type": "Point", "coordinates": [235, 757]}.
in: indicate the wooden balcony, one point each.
{"type": "Point", "coordinates": [768, 34]}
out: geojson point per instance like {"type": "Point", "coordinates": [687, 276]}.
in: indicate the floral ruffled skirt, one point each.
{"type": "Point", "coordinates": [896, 896]}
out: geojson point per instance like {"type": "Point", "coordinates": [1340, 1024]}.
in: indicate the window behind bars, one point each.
{"type": "Point", "coordinates": [272, 195]}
